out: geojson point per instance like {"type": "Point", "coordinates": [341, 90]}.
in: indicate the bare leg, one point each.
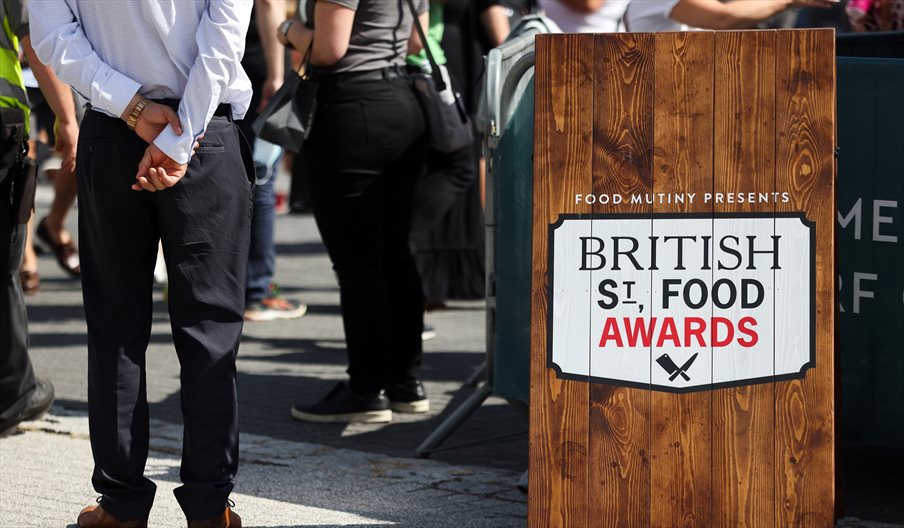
{"type": "Point", "coordinates": [64, 196]}
{"type": "Point", "coordinates": [29, 270]}
{"type": "Point", "coordinates": [30, 260]}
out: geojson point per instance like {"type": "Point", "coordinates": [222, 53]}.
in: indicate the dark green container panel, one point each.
{"type": "Point", "coordinates": [871, 249]}
{"type": "Point", "coordinates": [884, 44]}
{"type": "Point", "coordinates": [514, 171]}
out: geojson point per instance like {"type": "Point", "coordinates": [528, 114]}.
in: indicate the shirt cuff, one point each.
{"type": "Point", "coordinates": [118, 91]}
{"type": "Point", "coordinates": [176, 147]}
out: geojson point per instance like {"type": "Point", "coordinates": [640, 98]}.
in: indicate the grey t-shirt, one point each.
{"type": "Point", "coordinates": [380, 34]}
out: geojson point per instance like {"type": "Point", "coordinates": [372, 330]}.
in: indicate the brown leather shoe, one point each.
{"type": "Point", "coordinates": [95, 516]}
{"type": "Point", "coordinates": [229, 519]}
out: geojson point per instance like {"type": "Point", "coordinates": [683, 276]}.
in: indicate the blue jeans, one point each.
{"type": "Point", "coordinates": [262, 253]}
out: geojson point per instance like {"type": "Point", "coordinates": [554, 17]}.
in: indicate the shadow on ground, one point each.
{"type": "Point", "coordinates": [265, 402]}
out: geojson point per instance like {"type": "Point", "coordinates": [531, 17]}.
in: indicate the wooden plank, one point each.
{"type": "Point", "coordinates": [562, 168]}
{"type": "Point", "coordinates": [744, 150]}
{"type": "Point", "coordinates": [681, 493]}
{"type": "Point", "coordinates": [805, 166]}
{"type": "Point", "coordinates": [622, 158]}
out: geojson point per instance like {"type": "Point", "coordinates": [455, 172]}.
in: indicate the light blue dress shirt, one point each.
{"type": "Point", "coordinates": [109, 50]}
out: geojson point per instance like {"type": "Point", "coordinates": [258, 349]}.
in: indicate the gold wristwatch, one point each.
{"type": "Point", "coordinates": [132, 120]}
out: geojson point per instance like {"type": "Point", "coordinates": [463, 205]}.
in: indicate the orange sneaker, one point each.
{"type": "Point", "coordinates": [274, 308]}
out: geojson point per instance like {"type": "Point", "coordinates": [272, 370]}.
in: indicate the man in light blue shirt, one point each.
{"type": "Point", "coordinates": [159, 158]}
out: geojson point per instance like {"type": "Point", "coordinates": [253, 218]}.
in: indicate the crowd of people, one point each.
{"type": "Point", "coordinates": [149, 105]}
{"type": "Point", "coordinates": [167, 163]}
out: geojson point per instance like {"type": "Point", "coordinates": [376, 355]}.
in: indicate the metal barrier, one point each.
{"type": "Point", "coordinates": [509, 73]}
{"type": "Point", "coordinates": [505, 75]}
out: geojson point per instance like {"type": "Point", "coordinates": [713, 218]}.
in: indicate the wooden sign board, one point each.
{"type": "Point", "coordinates": [683, 366]}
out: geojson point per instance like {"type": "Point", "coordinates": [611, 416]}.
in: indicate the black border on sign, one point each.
{"type": "Point", "coordinates": [652, 216]}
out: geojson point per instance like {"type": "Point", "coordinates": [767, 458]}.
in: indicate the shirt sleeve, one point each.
{"type": "Point", "coordinates": [646, 15]}
{"type": "Point", "coordinates": [17, 17]}
{"type": "Point", "coordinates": [60, 42]}
{"type": "Point", "coordinates": [221, 44]}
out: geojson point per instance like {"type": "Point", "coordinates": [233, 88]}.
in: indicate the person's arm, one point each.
{"type": "Point", "coordinates": [59, 42]}
{"type": "Point", "coordinates": [221, 43]}
{"type": "Point", "coordinates": [57, 94]}
{"type": "Point", "coordinates": [59, 98]}
{"type": "Point", "coordinates": [414, 41]}
{"type": "Point", "coordinates": [270, 13]}
{"type": "Point", "coordinates": [496, 24]}
{"type": "Point", "coordinates": [584, 6]}
{"type": "Point", "coordinates": [334, 31]}
{"type": "Point", "coordinates": [739, 14]}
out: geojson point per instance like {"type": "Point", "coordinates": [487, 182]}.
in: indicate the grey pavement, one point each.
{"type": "Point", "coordinates": [47, 469]}
{"type": "Point", "coordinates": [287, 362]}
{"type": "Point", "coordinates": [291, 474]}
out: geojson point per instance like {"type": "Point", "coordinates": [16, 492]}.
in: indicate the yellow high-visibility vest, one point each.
{"type": "Point", "coordinates": [12, 86]}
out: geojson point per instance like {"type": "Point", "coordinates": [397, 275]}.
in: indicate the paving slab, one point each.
{"type": "Point", "coordinates": [45, 472]}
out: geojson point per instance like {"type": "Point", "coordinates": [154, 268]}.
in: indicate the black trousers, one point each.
{"type": "Point", "coordinates": [203, 222]}
{"type": "Point", "coordinates": [362, 161]}
{"type": "Point", "coordinates": [17, 379]}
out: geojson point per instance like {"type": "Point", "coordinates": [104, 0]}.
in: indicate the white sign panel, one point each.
{"type": "Point", "coordinates": [682, 302]}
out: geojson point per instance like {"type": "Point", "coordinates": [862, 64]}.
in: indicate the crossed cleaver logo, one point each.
{"type": "Point", "coordinates": [674, 370]}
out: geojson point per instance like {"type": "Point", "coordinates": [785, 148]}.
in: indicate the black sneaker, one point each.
{"type": "Point", "coordinates": [408, 397]}
{"type": "Point", "coordinates": [39, 400]}
{"type": "Point", "coordinates": [344, 405]}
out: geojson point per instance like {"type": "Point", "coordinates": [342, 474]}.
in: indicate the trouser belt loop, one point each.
{"type": "Point", "coordinates": [391, 72]}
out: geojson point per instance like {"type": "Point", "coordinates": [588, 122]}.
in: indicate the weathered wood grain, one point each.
{"type": "Point", "coordinates": [680, 466]}
{"type": "Point", "coordinates": [622, 164]}
{"type": "Point", "coordinates": [744, 160]}
{"type": "Point", "coordinates": [723, 112]}
{"type": "Point", "coordinates": [562, 168]}
{"type": "Point", "coordinates": [804, 145]}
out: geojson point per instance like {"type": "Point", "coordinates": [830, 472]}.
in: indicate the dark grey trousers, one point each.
{"type": "Point", "coordinates": [16, 377]}
{"type": "Point", "coordinates": [203, 222]}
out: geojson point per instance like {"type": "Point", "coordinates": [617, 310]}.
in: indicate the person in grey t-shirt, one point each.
{"type": "Point", "coordinates": [377, 37]}
{"type": "Point", "coordinates": [362, 159]}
